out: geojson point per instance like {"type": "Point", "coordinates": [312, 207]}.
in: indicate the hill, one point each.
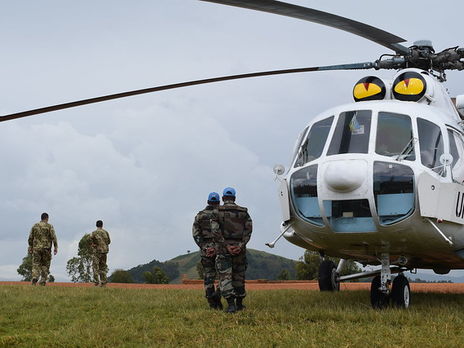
{"type": "Point", "coordinates": [261, 265]}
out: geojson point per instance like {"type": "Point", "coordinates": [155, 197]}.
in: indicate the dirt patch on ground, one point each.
{"type": "Point", "coordinates": [456, 288]}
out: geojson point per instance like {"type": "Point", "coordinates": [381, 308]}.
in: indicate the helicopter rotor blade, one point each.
{"type": "Point", "coordinates": [354, 66]}
{"type": "Point", "coordinates": [366, 31]}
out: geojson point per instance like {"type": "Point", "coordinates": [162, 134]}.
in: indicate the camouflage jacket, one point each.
{"type": "Point", "coordinates": [100, 239]}
{"type": "Point", "coordinates": [205, 227]}
{"type": "Point", "coordinates": [42, 236]}
{"type": "Point", "coordinates": [235, 226]}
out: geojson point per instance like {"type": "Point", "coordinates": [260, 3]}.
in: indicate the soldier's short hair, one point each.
{"type": "Point", "coordinates": [99, 223]}
{"type": "Point", "coordinates": [44, 216]}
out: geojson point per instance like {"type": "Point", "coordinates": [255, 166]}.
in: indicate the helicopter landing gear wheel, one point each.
{"type": "Point", "coordinates": [328, 276]}
{"type": "Point", "coordinates": [401, 292]}
{"type": "Point", "coordinates": [379, 299]}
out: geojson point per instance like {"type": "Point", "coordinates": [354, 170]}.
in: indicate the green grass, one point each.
{"type": "Point", "coordinates": [95, 317]}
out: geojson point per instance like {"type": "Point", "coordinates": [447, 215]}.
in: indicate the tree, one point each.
{"type": "Point", "coordinates": [283, 275]}
{"type": "Point", "coordinates": [25, 269]}
{"type": "Point", "coordinates": [51, 279]}
{"type": "Point", "coordinates": [350, 267]}
{"type": "Point", "coordinates": [121, 276]}
{"type": "Point", "coordinates": [80, 268]}
{"type": "Point", "coordinates": [149, 278]}
{"type": "Point", "coordinates": [159, 276]}
{"type": "Point", "coordinates": [170, 268]}
{"type": "Point", "coordinates": [308, 266]}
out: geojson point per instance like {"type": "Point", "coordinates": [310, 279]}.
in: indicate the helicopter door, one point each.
{"type": "Point", "coordinates": [444, 201]}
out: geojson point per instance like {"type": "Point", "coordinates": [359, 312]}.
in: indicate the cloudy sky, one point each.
{"type": "Point", "coordinates": [145, 164]}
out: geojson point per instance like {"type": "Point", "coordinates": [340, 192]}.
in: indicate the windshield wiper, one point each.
{"type": "Point", "coordinates": [407, 149]}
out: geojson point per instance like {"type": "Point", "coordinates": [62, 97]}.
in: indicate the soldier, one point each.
{"type": "Point", "coordinates": [99, 240]}
{"type": "Point", "coordinates": [235, 232]}
{"type": "Point", "coordinates": [40, 241]}
{"type": "Point", "coordinates": [203, 230]}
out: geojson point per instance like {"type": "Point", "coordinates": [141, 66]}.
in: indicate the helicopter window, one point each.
{"type": "Point", "coordinates": [297, 150]}
{"type": "Point", "coordinates": [350, 216]}
{"type": "Point", "coordinates": [457, 151]}
{"type": "Point", "coordinates": [393, 191]}
{"type": "Point", "coordinates": [394, 136]}
{"type": "Point", "coordinates": [303, 184]}
{"type": "Point", "coordinates": [315, 142]}
{"type": "Point", "coordinates": [431, 144]}
{"type": "Point", "coordinates": [352, 133]}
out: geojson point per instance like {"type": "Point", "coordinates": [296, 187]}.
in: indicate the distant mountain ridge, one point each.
{"type": "Point", "coordinates": [261, 265]}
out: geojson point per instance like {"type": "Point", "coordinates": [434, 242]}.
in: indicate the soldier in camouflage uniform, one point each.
{"type": "Point", "coordinates": [204, 227]}
{"type": "Point", "coordinates": [235, 232]}
{"type": "Point", "coordinates": [99, 240]}
{"type": "Point", "coordinates": [41, 238]}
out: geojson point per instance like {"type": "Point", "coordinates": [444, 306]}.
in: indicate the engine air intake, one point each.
{"type": "Point", "coordinates": [409, 86]}
{"type": "Point", "coordinates": [369, 88]}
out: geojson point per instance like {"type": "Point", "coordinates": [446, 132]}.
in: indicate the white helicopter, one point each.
{"type": "Point", "coordinates": [378, 181]}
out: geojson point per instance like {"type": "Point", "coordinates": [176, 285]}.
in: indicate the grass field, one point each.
{"type": "Point", "coordinates": [95, 317]}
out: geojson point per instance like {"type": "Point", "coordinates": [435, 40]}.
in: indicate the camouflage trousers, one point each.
{"type": "Point", "coordinates": [209, 274]}
{"type": "Point", "coordinates": [41, 259]}
{"type": "Point", "coordinates": [99, 268]}
{"type": "Point", "coordinates": [231, 269]}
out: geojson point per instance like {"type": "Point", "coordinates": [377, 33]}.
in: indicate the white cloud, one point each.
{"type": "Point", "coordinates": [146, 187]}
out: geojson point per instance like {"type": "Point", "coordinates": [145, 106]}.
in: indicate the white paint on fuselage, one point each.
{"type": "Point", "coordinates": [414, 237]}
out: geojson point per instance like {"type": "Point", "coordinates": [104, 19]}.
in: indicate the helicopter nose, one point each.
{"type": "Point", "coordinates": [345, 175]}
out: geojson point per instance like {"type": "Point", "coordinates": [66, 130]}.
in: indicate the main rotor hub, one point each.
{"type": "Point", "coordinates": [424, 45]}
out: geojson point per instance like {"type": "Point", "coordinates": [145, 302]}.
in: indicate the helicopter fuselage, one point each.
{"type": "Point", "coordinates": [354, 188]}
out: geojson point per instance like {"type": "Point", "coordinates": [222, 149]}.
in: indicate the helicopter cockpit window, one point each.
{"type": "Point", "coordinates": [394, 136]}
{"type": "Point", "coordinates": [350, 216]}
{"type": "Point", "coordinates": [457, 151]}
{"type": "Point", "coordinates": [393, 192]}
{"type": "Point", "coordinates": [431, 144]}
{"type": "Point", "coordinates": [297, 150]}
{"type": "Point", "coordinates": [352, 133]}
{"type": "Point", "coordinates": [312, 148]}
{"type": "Point", "coordinates": [303, 185]}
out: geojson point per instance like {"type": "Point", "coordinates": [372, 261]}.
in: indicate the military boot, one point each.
{"type": "Point", "coordinates": [217, 298]}
{"type": "Point", "coordinates": [210, 297]}
{"type": "Point", "coordinates": [231, 305]}
{"type": "Point", "coordinates": [212, 303]}
{"type": "Point", "coordinates": [238, 304]}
